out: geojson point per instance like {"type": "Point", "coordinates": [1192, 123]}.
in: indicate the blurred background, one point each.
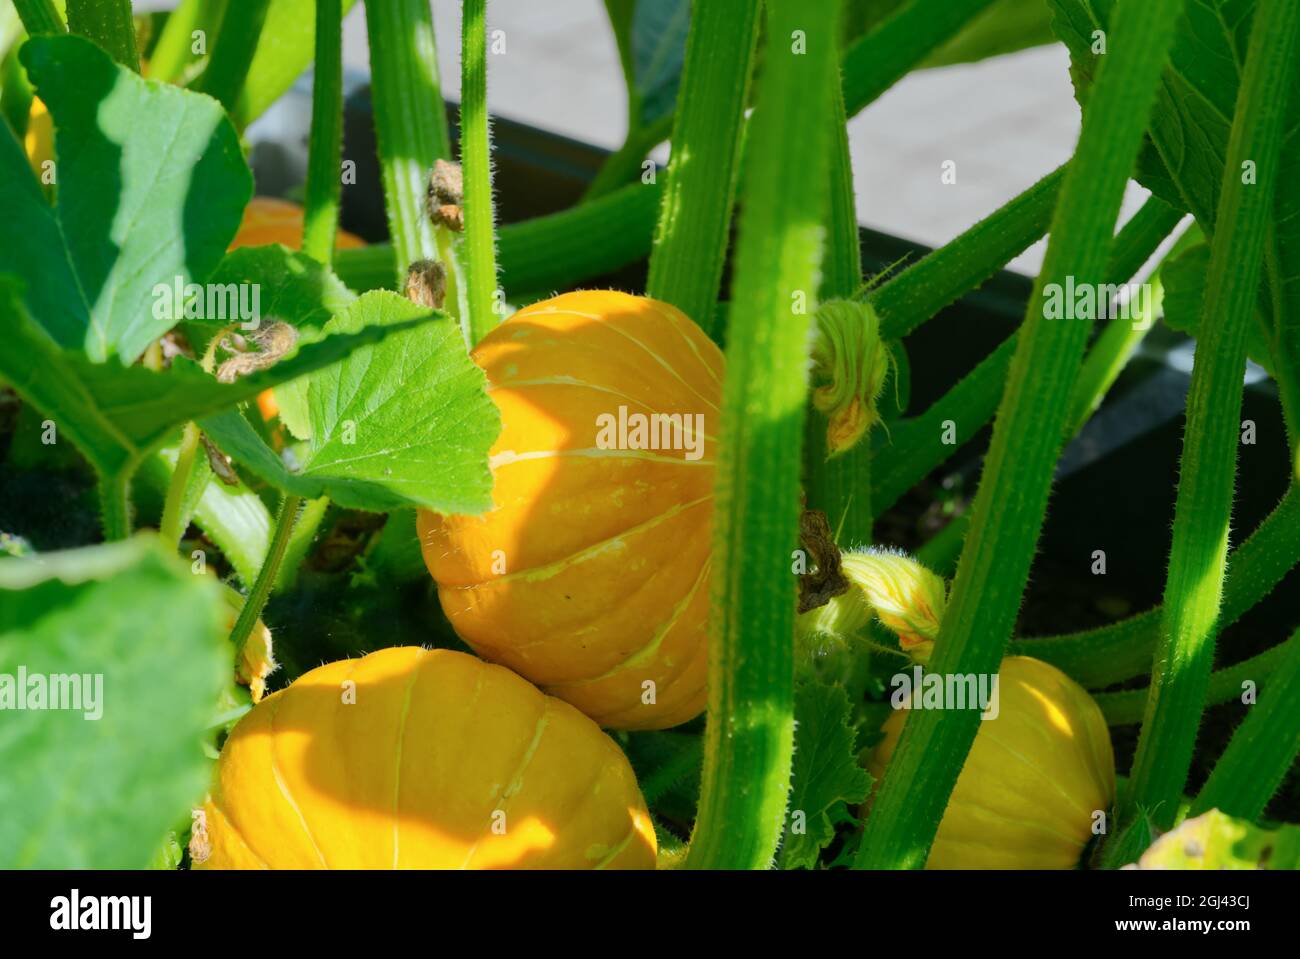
{"type": "Point", "coordinates": [1004, 122]}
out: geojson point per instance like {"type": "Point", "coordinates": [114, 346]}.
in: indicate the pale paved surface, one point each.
{"type": "Point", "coordinates": [1005, 122]}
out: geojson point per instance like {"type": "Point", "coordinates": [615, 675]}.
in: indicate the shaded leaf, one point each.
{"type": "Point", "coordinates": [151, 185]}
{"type": "Point", "coordinates": [1189, 139]}
{"type": "Point", "coordinates": [404, 423]}
{"type": "Point", "coordinates": [1184, 280]}
{"type": "Point", "coordinates": [826, 772]}
{"type": "Point", "coordinates": [116, 414]}
{"type": "Point", "coordinates": [291, 287]}
{"type": "Point", "coordinates": [90, 793]}
{"type": "Point", "coordinates": [659, 31]}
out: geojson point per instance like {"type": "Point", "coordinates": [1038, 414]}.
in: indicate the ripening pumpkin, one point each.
{"type": "Point", "coordinates": [426, 759]}
{"type": "Point", "coordinates": [1034, 780]}
{"type": "Point", "coordinates": [271, 220]}
{"type": "Point", "coordinates": [590, 576]}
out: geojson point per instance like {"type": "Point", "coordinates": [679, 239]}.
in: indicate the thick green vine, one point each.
{"type": "Point", "coordinates": [1008, 511]}
{"type": "Point", "coordinates": [750, 734]}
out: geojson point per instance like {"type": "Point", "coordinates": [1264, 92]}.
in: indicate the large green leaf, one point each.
{"type": "Point", "coordinates": [826, 771]}
{"type": "Point", "coordinates": [403, 423]}
{"type": "Point", "coordinates": [292, 287]}
{"type": "Point", "coordinates": [1184, 282]}
{"type": "Point", "coordinates": [151, 184]}
{"type": "Point", "coordinates": [97, 786]}
{"type": "Point", "coordinates": [116, 414]}
{"type": "Point", "coordinates": [1189, 139]}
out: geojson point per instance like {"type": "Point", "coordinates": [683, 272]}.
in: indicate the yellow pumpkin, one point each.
{"type": "Point", "coordinates": [425, 759]}
{"type": "Point", "coordinates": [271, 220]}
{"type": "Point", "coordinates": [590, 576]}
{"type": "Point", "coordinates": [1034, 781]}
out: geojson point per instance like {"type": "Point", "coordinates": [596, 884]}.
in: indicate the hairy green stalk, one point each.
{"type": "Point", "coordinates": [285, 521]}
{"type": "Point", "coordinates": [1125, 708]}
{"type": "Point", "coordinates": [749, 738]}
{"type": "Point", "coordinates": [615, 229]}
{"type": "Point", "coordinates": [626, 163]}
{"type": "Point", "coordinates": [304, 534]}
{"type": "Point", "coordinates": [840, 487]}
{"type": "Point", "coordinates": [673, 771]}
{"type": "Point", "coordinates": [916, 294]}
{"type": "Point", "coordinates": [410, 121]}
{"type": "Point", "coordinates": [115, 504]}
{"type": "Point", "coordinates": [1121, 650]}
{"type": "Point", "coordinates": [871, 66]}
{"type": "Point", "coordinates": [1203, 511]}
{"type": "Point", "coordinates": [690, 244]}
{"type": "Point", "coordinates": [1263, 748]}
{"type": "Point", "coordinates": [40, 16]}
{"type": "Point", "coordinates": [172, 525]}
{"type": "Point", "coordinates": [921, 443]}
{"type": "Point", "coordinates": [479, 249]}
{"type": "Point", "coordinates": [108, 23]}
{"type": "Point", "coordinates": [325, 150]}
{"type": "Point", "coordinates": [1008, 512]}
{"type": "Point", "coordinates": [885, 55]}
{"type": "Point", "coordinates": [555, 251]}
{"type": "Point", "coordinates": [232, 51]}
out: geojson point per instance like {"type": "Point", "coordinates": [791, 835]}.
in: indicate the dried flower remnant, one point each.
{"type": "Point", "coordinates": [445, 197]}
{"type": "Point", "coordinates": [269, 344]}
{"type": "Point", "coordinates": [426, 284]}
{"type": "Point", "coordinates": [850, 355]}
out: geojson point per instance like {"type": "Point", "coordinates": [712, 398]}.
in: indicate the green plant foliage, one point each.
{"type": "Point", "coordinates": [658, 30]}
{"type": "Point", "coordinates": [826, 773]}
{"type": "Point", "coordinates": [129, 215]}
{"type": "Point", "coordinates": [1214, 840]}
{"type": "Point", "coordinates": [1190, 129]}
{"type": "Point", "coordinates": [95, 793]}
{"type": "Point", "coordinates": [404, 423]}
{"type": "Point", "coordinates": [117, 414]}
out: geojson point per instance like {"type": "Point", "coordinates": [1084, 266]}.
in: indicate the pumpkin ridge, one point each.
{"type": "Point", "coordinates": [648, 651]}
{"type": "Point", "coordinates": [617, 850]}
{"type": "Point", "coordinates": [516, 782]}
{"type": "Point", "coordinates": [546, 570]}
{"type": "Point", "coordinates": [621, 719]}
{"type": "Point", "coordinates": [586, 794]}
{"type": "Point", "coordinates": [510, 457]}
{"type": "Point", "coordinates": [572, 381]}
{"type": "Point", "coordinates": [239, 833]}
{"type": "Point", "coordinates": [612, 325]}
{"type": "Point", "coordinates": [401, 749]}
{"type": "Point", "coordinates": [690, 341]}
{"type": "Point", "coordinates": [284, 786]}
{"type": "Point", "coordinates": [1056, 787]}
{"type": "Point", "coordinates": [994, 815]}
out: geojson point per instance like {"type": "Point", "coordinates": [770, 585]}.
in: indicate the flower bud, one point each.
{"type": "Point", "coordinates": [905, 596]}
{"type": "Point", "coordinates": [849, 353]}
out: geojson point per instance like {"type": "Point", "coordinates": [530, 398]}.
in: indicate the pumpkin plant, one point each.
{"type": "Point", "coordinates": [431, 550]}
